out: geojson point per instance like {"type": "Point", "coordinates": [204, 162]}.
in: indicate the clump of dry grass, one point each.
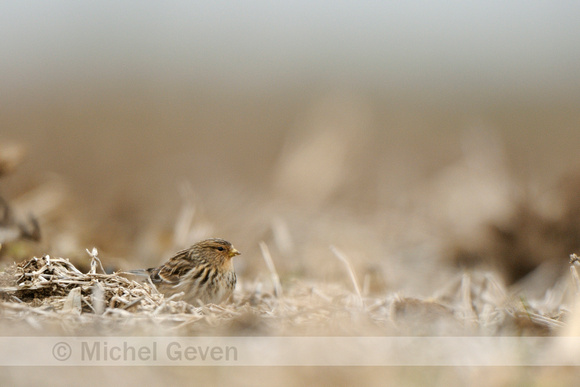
{"type": "Point", "coordinates": [52, 292]}
{"type": "Point", "coordinates": [55, 282]}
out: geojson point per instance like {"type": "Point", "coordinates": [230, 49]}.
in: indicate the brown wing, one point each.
{"type": "Point", "coordinates": [174, 269]}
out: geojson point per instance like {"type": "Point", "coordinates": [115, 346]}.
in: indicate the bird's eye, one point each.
{"type": "Point", "coordinates": [220, 248]}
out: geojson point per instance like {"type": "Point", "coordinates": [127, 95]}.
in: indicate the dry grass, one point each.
{"type": "Point", "coordinates": [332, 245]}
{"type": "Point", "coordinates": [52, 292]}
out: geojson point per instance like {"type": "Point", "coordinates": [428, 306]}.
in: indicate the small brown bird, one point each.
{"type": "Point", "coordinates": [204, 272]}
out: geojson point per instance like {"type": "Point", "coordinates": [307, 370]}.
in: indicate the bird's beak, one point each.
{"type": "Point", "coordinates": [234, 252]}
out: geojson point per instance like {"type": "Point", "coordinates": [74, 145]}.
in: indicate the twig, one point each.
{"type": "Point", "coordinates": [350, 270]}
{"type": "Point", "coordinates": [470, 314]}
{"type": "Point", "coordinates": [94, 260]}
{"type": "Point", "coordinates": [183, 225]}
{"type": "Point", "coordinates": [272, 268]}
{"type": "Point", "coordinates": [575, 278]}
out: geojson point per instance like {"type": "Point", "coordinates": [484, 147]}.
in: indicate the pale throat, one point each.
{"type": "Point", "coordinates": [228, 264]}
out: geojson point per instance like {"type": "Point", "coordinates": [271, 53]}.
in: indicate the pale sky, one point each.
{"type": "Point", "coordinates": [520, 45]}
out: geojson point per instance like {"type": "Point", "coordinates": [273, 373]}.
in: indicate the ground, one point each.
{"type": "Point", "coordinates": [339, 234]}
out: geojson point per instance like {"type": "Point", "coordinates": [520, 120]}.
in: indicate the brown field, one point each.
{"type": "Point", "coordinates": [382, 217]}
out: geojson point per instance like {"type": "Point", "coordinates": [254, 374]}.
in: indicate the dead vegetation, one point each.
{"type": "Point", "coordinates": [51, 291]}
{"type": "Point", "coordinates": [334, 242]}
{"type": "Point", "coordinates": [11, 227]}
{"type": "Point", "coordinates": [295, 282]}
{"type": "Point", "coordinates": [538, 231]}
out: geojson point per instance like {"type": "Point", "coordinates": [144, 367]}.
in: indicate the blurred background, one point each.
{"type": "Point", "coordinates": [149, 125]}
{"type": "Point", "coordinates": [416, 137]}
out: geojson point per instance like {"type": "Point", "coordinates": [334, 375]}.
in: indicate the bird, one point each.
{"type": "Point", "coordinates": [204, 273]}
